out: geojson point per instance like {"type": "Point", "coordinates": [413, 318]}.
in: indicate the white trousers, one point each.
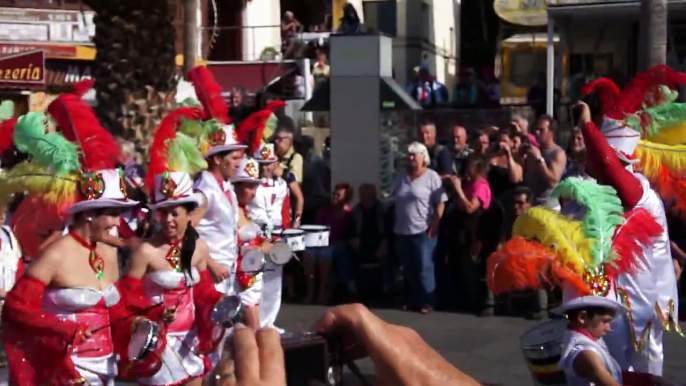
{"type": "Point", "coordinates": [271, 295]}
{"type": "Point", "coordinates": [620, 343]}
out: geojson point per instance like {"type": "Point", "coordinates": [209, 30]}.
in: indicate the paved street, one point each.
{"type": "Point", "coordinates": [487, 349]}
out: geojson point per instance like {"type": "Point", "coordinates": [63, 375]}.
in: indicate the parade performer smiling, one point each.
{"type": "Point", "coordinates": [65, 318]}
{"type": "Point", "coordinates": [631, 127]}
{"type": "Point", "coordinates": [585, 258]}
{"type": "Point", "coordinates": [170, 267]}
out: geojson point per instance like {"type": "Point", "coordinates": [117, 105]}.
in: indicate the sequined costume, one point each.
{"type": "Point", "coordinates": [190, 292]}
{"type": "Point", "coordinates": [43, 326]}
{"type": "Point", "coordinates": [632, 136]}
{"type": "Point", "coordinates": [583, 256]}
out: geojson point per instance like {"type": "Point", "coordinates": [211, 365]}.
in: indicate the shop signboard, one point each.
{"type": "Point", "coordinates": [25, 70]}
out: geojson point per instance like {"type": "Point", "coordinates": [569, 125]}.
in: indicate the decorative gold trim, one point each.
{"type": "Point", "coordinates": [669, 320]}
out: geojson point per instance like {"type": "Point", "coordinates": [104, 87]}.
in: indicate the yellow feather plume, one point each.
{"type": "Point", "coordinates": [653, 155]}
{"type": "Point", "coordinates": [558, 233]}
{"type": "Point", "coordinates": [36, 180]}
{"type": "Point", "coordinates": [674, 135]}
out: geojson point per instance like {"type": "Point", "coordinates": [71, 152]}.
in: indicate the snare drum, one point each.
{"type": "Point", "coordinates": [295, 238]}
{"type": "Point", "coordinates": [145, 349]}
{"type": "Point", "coordinates": [316, 236]}
{"type": "Point", "coordinates": [542, 347]}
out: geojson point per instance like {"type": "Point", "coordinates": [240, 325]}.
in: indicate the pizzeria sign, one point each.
{"type": "Point", "coordinates": [25, 70]}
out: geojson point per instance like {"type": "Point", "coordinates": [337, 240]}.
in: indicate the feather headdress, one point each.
{"type": "Point", "coordinates": [174, 158]}
{"type": "Point", "coordinates": [209, 94]}
{"type": "Point", "coordinates": [7, 122]}
{"type": "Point", "coordinates": [71, 170]}
{"type": "Point", "coordinates": [548, 247]}
{"type": "Point", "coordinates": [648, 105]}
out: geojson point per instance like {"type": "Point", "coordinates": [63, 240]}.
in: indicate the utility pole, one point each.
{"type": "Point", "coordinates": [652, 34]}
{"type": "Point", "coordinates": [190, 33]}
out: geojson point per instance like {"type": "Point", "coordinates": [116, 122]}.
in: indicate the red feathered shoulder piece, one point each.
{"type": "Point", "coordinates": [81, 88]}
{"type": "Point", "coordinates": [209, 93]}
{"type": "Point", "coordinates": [608, 93]}
{"type": "Point", "coordinates": [7, 134]}
{"type": "Point", "coordinates": [275, 105]}
{"type": "Point", "coordinates": [77, 122]}
{"type": "Point", "coordinates": [164, 136]}
{"type": "Point", "coordinates": [251, 129]}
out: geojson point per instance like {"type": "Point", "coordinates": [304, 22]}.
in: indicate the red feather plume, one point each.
{"type": "Point", "coordinates": [81, 88]}
{"type": "Point", "coordinates": [643, 90]}
{"type": "Point", "coordinates": [251, 129]}
{"type": "Point", "coordinates": [275, 105]}
{"type": "Point", "coordinates": [630, 239]}
{"type": "Point", "coordinates": [164, 136]}
{"type": "Point", "coordinates": [7, 134]}
{"type": "Point", "coordinates": [209, 94]}
{"type": "Point", "coordinates": [608, 93]}
{"type": "Point", "coordinates": [77, 122]}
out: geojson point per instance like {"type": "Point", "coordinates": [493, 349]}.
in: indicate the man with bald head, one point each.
{"type": "Point", "coordinates": [460, 150]}
{"type": "Point", "coordinates": [441, 160]}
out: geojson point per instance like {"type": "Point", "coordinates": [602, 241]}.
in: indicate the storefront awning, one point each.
{"type": "Point", "coordinates": [250, 76]}
{"type": "Point", "coordinates": [603, 8]}
{"type": "Point", "coordinates": [23, 71]}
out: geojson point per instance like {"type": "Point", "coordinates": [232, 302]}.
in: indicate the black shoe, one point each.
{"type": "Point", "coordinates": [487, 312]}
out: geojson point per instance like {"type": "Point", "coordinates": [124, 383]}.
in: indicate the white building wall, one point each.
{"type": "Point", "coordinates": [261, 27]}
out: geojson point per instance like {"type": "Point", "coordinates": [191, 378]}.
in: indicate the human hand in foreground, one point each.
{"type": "Point", "coordinates": [251, 359]}
{"type": "Point", "coordinates": [400, 356]}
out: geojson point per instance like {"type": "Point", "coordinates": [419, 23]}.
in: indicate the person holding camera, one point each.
{"type": "Point", "coordinates": [400, 356]}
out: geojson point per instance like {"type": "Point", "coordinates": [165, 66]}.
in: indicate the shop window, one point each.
{"type": "Point", "coordinates": [381, 16]}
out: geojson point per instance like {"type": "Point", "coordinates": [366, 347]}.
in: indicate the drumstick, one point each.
{"type": "Point", "coordinates": [145, 310]}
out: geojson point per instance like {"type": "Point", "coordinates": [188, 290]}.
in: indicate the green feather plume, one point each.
{"type": "Point", "coordinates": [193, 129]}
{"type": "Point", "coordinates": [189, 102]}
{"type": "Point", "coordinates": [666, 114]}
{"type": "Point", "coordinates": [51, 150]}
{"type": "Point", "coordinates": [184, 156]}
{"type": "Point", "coordinates": [6, 110]}
{"type": "Point", "coordinates": [603, 213]}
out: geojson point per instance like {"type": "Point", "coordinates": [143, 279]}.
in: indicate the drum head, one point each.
{"type": "Point", "coordinates": [252, 261]}
{"type": "Point", "coordinates": [281, 253]}
{"type": "Point", "coordinates": [314, 228]}
{"type": "Point", "coordinates": [139, 339]}
{"type": "Point", "coordinates": [293, 232]}
{"type": "Point", "coordinates": [547, 332]}
{"type": "Point", "coordinates": [228, 311]}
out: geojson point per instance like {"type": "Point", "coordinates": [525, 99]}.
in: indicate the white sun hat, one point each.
{"type": "Point", "coordinates": [248, 171]}
{"type": "Point", "coordinates": [265, 154]}
{"type": "Point", "coordinates": [572, 299]}
{"type": "Point", "coordinates": [622, 138]}
{"type": "Point", "coordinates": [174, 188]}
{"type": "Point", "coordinates": [223, 139]}
{"type": "Point", "coordinates": [102, 189]}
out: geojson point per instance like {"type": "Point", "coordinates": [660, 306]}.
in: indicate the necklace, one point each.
{"type": "Point", "coordinates": [94, 259]}
{"type": "Point", "coordinates": [174, 256]}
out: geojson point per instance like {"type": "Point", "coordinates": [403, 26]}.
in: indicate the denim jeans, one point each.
{"type": "Point", "coordinates": [341, 259]}
{"type": "Point", "coordinates": [416, 256]}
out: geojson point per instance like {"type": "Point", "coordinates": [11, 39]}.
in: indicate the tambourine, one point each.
{"type": "Point", "coordinates": [228, 311]}
{"type": "Point", "coordinates": [252, 261]}
{"type": "Point", "coordinates": [146, 345]}
{"type": "Point", "coordinates": [280, 254]}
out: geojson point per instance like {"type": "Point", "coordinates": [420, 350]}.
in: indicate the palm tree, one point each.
{"type": "Point", "coordinates": [653, 34]}
{"type": "Point", "coordinates": [135, 65]}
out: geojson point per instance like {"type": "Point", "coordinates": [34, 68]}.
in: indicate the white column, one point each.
{"type": "Point", "coordinates": [550, 67]}
{"type": "Point", "coordinates": [307, 75]}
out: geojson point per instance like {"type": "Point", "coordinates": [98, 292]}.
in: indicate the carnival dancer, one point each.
{"type": "Point", "coordinates": [249, 285]}
{"type": "Point", "coordinates": [650, 295]}
{"type": "Point", "coordinates": [217, 217]}
{"type": "Point", "coordinates": [270, 209]}
{"type": "Point", "coordinates": [64, 319]}
{"type": "Point", "coordinates": [172, 264]}
{"type": "Point", "coordinates": [585, 258]}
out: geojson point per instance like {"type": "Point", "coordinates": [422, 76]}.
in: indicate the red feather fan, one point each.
{"type": "Point", "coordinates": [77, 122]}
{"type": "Point", "coordinates": [275, 105]}
{"type": "Point", "coordinates": [7, 134]}
{"type": "Point", "coordinates": [608, 93]}
{"type": "Point", "coordinates": [209, 93]}
{"type": "Point", "coordinates": [643, 90]}
{"type": "Point", "coordinates": [81, 88]}
{"type": "Point", "coordinates": [630, 239]}
{"type": "Point", "coordinates": [164, 136]}
{"type": "Point", "coordinates": [251, 129]}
